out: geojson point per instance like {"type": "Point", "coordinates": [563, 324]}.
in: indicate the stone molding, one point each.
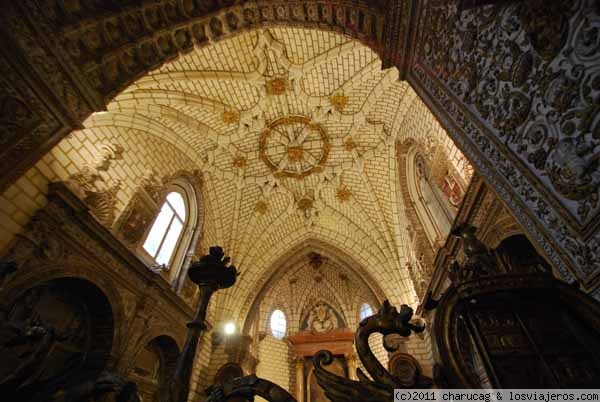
{"type": "Point", "coordinates": [64, 240]}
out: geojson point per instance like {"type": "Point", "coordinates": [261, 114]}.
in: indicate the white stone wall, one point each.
{"type": "Point", "coordinates": [275, 363]}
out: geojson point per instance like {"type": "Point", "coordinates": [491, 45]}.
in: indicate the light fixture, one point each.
{"type": "Point", "coordinates": [229, 328]}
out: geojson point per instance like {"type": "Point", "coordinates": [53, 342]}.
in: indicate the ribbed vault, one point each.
{"type": "Point", "coordinates": [298, 266]}
{"type": "Point", "coordinates": [294, 132]}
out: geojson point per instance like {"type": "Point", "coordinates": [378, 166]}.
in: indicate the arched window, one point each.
{"type": "Point", "coordinates": [365, 311]}
{"type": "Point", "coordinates": [278, 324]}
{"type": "Point", "coordinates": [431, 205]}
{"type": "Point", "coordinates": [165, 234]}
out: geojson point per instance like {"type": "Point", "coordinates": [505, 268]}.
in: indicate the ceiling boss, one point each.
{"type": "Point", "coordinates": [294, 146]}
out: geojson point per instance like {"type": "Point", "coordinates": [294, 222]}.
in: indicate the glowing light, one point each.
{"type": "Point", "coordinates": [229, 328]}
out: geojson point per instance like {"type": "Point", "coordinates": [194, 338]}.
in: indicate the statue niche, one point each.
{"type": "Point", "coordinates": [55, 340]}
{"type": "Point", "coordinates": [154, 366]}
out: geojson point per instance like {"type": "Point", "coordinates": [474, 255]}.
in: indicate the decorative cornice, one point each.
{"type": "Point", "coordinates": [79, 215]}
{"type": "Point", "coordinates": [398, 28]}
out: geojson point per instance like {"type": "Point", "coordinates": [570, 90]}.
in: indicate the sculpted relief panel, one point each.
{"type": "Point", "coordinates": [530, 71]}
{"type": "Point", "coordinates": [322, 319]}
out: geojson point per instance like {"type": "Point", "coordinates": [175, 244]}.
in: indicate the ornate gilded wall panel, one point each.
{"type": "Point", "coordinates": [520, 84]}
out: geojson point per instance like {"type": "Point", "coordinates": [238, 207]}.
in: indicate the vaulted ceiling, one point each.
{"type": "Point", "coordinates": [295, 133]}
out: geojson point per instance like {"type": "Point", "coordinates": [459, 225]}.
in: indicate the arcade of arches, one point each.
{"type": "Point", "coordinates": [337, 151]}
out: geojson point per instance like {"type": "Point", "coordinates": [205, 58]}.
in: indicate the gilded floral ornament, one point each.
{"type": "Point", "coordinates": [573, 169]}
{"type": "Point", "coordinates": [305, 204]}
{"type": "Point", "coordinates": [294, 146]}
{"type": "Point", "coordinates": [339, 102]}
{"type": "Point", "coordinates": [240, 162]}
{"type": "Point", "coordinates": [295, 153]}
{"type": "Point", "coordinates": [230, 117]}
{"type": "Point", "coordinates": [261, 207]}
{"type": "Point", "coordinates": [277, 86]}
{"type": "Point", "coordinates": [349, 145]}
{"type": "Point", "coordinates": [344, 194]}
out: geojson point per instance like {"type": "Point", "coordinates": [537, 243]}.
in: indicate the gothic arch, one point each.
{"type": "Point", "coordinates": [136, 220]}
{"type": "Point", "coordinates": [72, 57]}
{"type": "Point", "coordinates": [130, 40]}
{"type": "Point", "coordinates": [292, 258]}
{"type": "Point", "coordinates": [107, 46]}
{"type": "Point", "coordinates": [191, 183]}
{"type": "Point", "coordinates": [333, 301]}
{"type": "Point", "coordinates": [435, 215]}
{"type": "Point", "coordinates": [385, 285]}
{"type": "Point", "coordinates": [45, 273]}
{"type": "Point", "coordinates": [76, 309]}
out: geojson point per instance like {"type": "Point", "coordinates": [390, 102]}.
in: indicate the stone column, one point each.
{"type": "Point", "coordinates": [352, 365]}
{"type": "Point", "coordinates": [300, 379]}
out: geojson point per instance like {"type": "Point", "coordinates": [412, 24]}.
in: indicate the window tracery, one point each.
{"type": "Point", "coordinates": [162, 224]}
{"type": "Point", "coordinates": [434, 207]}
{"type": "Point", "coordinates": [167, 228]}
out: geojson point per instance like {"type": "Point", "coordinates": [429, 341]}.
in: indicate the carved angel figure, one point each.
{"type": "Point", "coordinates": [479, 259]}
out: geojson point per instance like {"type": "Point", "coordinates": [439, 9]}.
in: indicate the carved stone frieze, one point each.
{"type": "Point", "coordinates": [84, 53]}
{"type": "Point", "coordinates": [495, 222]}
{"type": "Point", "coordinates": [546, 87]}
{"type": "Point", "coordinates": [91, 187]}
{"type": "Point", "coordinates": [55, 99]}
{"type": "Point", "coordinates": [126, 42]}
{"type": "Point", "coordinates": [61, 240]}
{"type": "Point", "coordinates": [26, 122]}
{"type": "Point", "coordinates": [527, 72]}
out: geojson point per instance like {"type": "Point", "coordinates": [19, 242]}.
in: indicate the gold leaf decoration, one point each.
{"type": "Point", "coordinates": [230, 117]}
{"type": "Point", "coordinates": [305, 204]}
{"type": "Point", "coordinates": [295, 153]}
{"type": "Point", "coordinates": [240, 162]}
{"type": "Point", "coordinates": [277, 86]}
{"type": "Point", "coordinates": [349, 144]}
{"type": "Point", "coordinates": [261, 207]}
{"type": "Point", "coordinates": [339, 102]}
{"type": "Point", "coordinates": [296, 166]}
{"type": "Point", "coordinates": [344, 194]}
